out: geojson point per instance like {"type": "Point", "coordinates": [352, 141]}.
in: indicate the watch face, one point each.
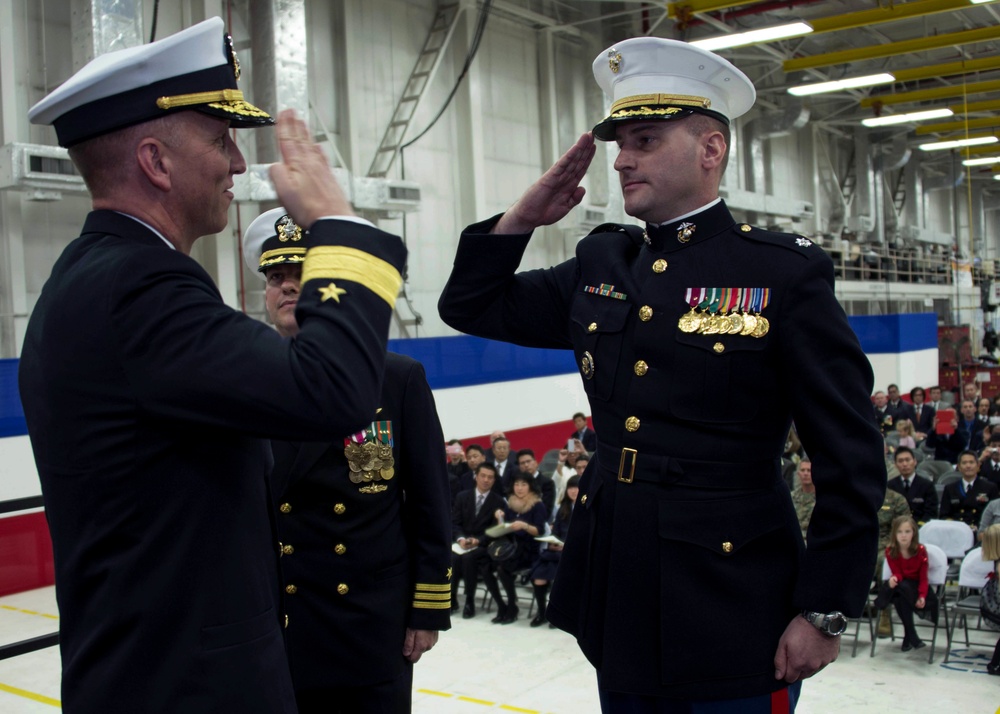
{"type": "Point", "coordinates": [836, 623]}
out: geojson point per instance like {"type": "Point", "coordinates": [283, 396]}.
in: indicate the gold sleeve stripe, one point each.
{"type": "Point", "coordinates": [434, 596]}
{"type": "Point", "coordinates": [434, 587]}
{"type": "Point", "coordinates": [336, 262]}
{"type": "Point", "coordinates": [432, 605]}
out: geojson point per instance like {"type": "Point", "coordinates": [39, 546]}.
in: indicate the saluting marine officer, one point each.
{"type": "Point", "coordinates": [364, 523]}
{"type": "Point", "coordinates": [684, 576]}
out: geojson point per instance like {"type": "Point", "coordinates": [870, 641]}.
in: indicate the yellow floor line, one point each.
{"type": "Point", "coordinates": [476, 701]}
{"type": "Point", "coordinates": [509, 708]}
{"type": "Point", "coordinates": [436, 694]}
{"type": "Point", "coordinates": [29, 695]}
{"type": "Point", "coordinates": [28, 612]}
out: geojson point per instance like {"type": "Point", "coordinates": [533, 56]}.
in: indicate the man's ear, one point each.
{"type": "Point", "coordinates": [714, 151]}
{"type": "Point", "coordinates": [155, 164]}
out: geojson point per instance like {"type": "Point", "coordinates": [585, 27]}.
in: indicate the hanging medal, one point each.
{"type": "Point", "coordinates": [691, 321]}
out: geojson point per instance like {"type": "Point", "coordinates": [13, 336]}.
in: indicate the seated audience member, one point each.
{"type": "Point", "coordinates": [965, 499]}
{"type": "Point", "coordinates": [970, 392]}
{"type": "Point", "coordinates": [581, 465]}
{"type": "Point", "coordinates": [584, 433]}
{"type": "Point", "coordinates": [883, 416]}
{"type": "Point", "coordinates": [968, 434]}
{"type": "Point", "coordinates": [474, 455]}
{"type": "Point", "coordinates": [471, 514]}
{"type": "Point", "coordinates": [527, 463]}
{"type": "Point", "coordinates": [804, 495]}
{"type": "Point", "coordinates": [548, 560]}
{"type": "Point", "coordinates": [905, 429]}
{"type": "Point", "coordinates": [897, 407]}
{"type": "Point", "coordinates": [506, 465]}
{"type": "Point", "coordinates": [989, 463]}
{"type": "Point", "coordinates": [983, 406]}
{"type": "Point", "coordinates": [893, 507]}
{"type": "Point", "coordinates": [907, 588]}
{"type": "Point", "coordinates": [490, 456]}
{"type": "Point", "coordinates": [991, 515]}
{"type": "Point", "coordinates": [918, 491]}
{"type": "Point", "coordinates": [991, 551]}
{"type": "Point", "coordinates": [526, 514]}
{"type": "Point", "coordinates": [456, 458]}
{"type": "Point", "coordinates": [934, 398]}
{"type": "Point", "coordinates": [923, 414]}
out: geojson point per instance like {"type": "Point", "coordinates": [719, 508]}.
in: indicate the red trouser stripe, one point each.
{"type": "Point", "coordinates": [779, 701]}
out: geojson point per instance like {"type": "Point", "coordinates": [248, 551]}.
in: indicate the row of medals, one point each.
{"type": "Point", "coordinates": [735, 323]}
{"type": "Point", "coordinates": [370, 462]}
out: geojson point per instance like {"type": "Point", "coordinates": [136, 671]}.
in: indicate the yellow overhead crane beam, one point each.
{"type": "Point", "coordinates": [968, 151]}
{"type": "Point", "coordinates": [893, 49]}
{"type": "Point", "coordinates": [960, 125]}
{"type": "Point", "coordinates": [887, 13]}
{"type": "Point", "coordinates": [923, 95]}
{"type": "Point", "coordinates": [686, 8]}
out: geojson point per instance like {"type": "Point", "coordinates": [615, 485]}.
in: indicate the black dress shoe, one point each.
{"type": "Point", "coordinates": [538, 620]}
{"type": "Point", "coordinates": [469, 611]}
{"type": "Point", "coordinates": [510, 616]}
{"type": "Point", "coordinates": [501, 614]}
{"type": "Point", "coordinates": [918, 643]}
{"type": "Point", "coordinates": [906, 646]}
{"type": "Point", "coordinates": [993, 668]}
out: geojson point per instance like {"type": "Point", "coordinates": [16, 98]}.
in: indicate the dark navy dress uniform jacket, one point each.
{"type": "Point", "coordinates": [359, 568]}
{"type": "Point", "coordinates": [680, 583]}
{"type": "Point", "coordinates": [148, 401]}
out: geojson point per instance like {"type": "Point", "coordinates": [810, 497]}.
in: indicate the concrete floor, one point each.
{"type": "Point", "coordinates": [478, 667]}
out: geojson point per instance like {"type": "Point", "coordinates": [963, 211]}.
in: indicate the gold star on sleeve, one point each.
{"type": "Point", "coordinates": [331, 291]}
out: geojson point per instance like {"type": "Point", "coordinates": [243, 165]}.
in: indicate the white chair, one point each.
{"type": "Point", "coordinates": [953, 537]}
{"type": "Point", "coordinates": [937, 570]}
{"type": "Point", "coordinates": [971, 579]}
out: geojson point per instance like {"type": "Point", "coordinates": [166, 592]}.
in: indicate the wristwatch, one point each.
{"type": "Point", "coordinates": [831, 625]}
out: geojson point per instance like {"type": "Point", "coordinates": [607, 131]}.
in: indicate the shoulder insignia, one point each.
{"type": "Point", "coordinates": [796, 243]}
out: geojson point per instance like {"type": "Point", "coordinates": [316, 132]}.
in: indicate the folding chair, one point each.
{"type": "Point", "coordinates": [933, 469]}
{"type": "Point", "coordinates": [953, 537]}
{"type": "Point", "coordinates": [937, 568]}
{"type": "Point", "coordinates": [971, 579]}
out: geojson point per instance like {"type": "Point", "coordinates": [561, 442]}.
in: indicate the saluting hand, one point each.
{"type": "Point", "coordinates": [304, 182]}
{"type": "Point", "coordinates": [552, 196]}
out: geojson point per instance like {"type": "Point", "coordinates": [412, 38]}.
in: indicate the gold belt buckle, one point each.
{"type": "Point", "coordinates": [621, 466]}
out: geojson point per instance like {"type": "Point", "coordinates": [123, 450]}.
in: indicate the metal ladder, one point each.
{"type": "Point", "coordinates": [423, 73]}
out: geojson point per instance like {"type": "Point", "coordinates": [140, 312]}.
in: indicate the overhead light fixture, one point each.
{"type": "Point", "coordinates": [981, 2]}
{"type": "Point", "coordinates": [752, 37]}
{"type": "Point", "coordinates": [911, 116]}
{"type": "Point", "coordinates": [986, 161]}
{"type": "Point", "coordinates": [996, 178]}
{"type": "Point", "coordinates": [869, 80]}
{"type": "Point", "coordinates": [958, 143]}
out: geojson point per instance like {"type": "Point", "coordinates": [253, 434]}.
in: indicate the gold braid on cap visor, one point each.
{"type": "Point", "coordinates": [282, 255]}
{"type": "Point", "coordinates": [656, 105]}
{"type": "Point", "coordinates": [335, 262]}
{"type": "Point", "coordinates": [235, 104]}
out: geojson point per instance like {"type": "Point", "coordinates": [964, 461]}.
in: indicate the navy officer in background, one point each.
{"type": "Point", "coordinates": [684, 577]}
{"type": "Point", "coordinates": [149, 400]}
{"type": "Point", "coordinates": [364, 523]}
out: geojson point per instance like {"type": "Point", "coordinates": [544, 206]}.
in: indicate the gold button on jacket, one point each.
{"type": "Point", "coordinates": [343, 589]}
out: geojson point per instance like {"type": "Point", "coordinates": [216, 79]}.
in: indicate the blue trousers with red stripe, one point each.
{"type": "Point", "coordinates": [781, 702]}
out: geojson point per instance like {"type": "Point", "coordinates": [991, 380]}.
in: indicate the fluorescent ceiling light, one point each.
{"type": "Point", "coordinates": [980, 2]}
{"type": "Point", "coordinates": [766, 34]}
{"type": "Point", "coordinates": [938, 146]}
{"type": "Point", "coordinates": [850, 83]}
{"type": "Point", "coordinates": [904, 118]}
{"type": "Point", "coordinates": [986, 161]}
{"type": "Point", "coordinates": [996, 178]}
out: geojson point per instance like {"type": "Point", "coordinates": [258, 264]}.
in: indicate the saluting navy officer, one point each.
{"type": "Point", "coordinates": [684, 576]}
{"type": "Point", "coordinates": [148, 399]}
{"type": "Point", "coordinates": [364, 523]}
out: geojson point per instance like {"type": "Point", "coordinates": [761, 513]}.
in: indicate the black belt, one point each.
{"type": "Point", "coordinates": [632, 465]}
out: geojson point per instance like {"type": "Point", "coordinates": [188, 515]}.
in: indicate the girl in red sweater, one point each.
{"type": "Point", "coordinates": [907, 588]}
